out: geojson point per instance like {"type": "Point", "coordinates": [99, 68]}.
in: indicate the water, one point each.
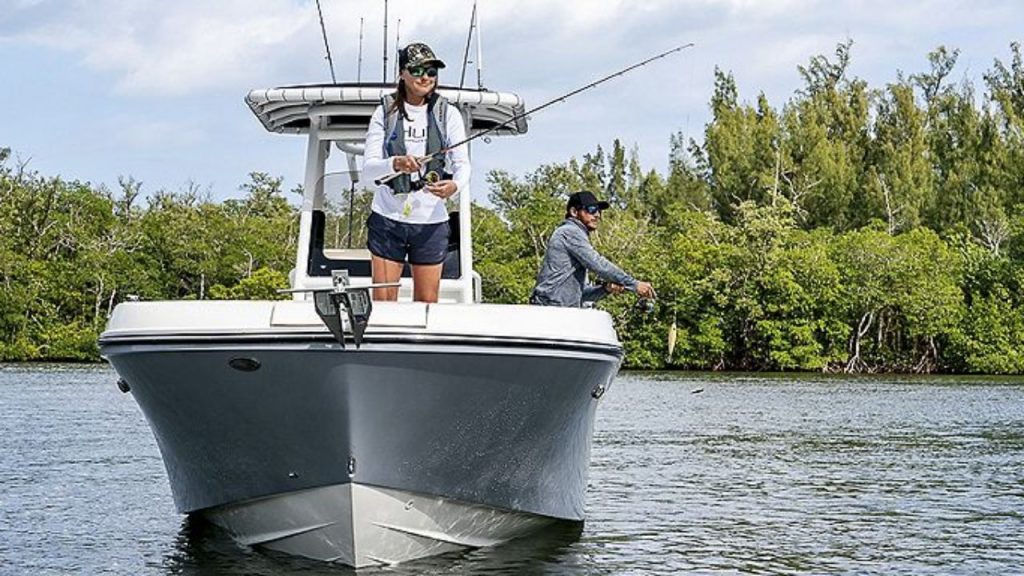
{"type": "Point", "coordinates": [755, 474]}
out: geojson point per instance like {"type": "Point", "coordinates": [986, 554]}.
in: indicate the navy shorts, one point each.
{"type": "Point", "coordinates": [423, 244]}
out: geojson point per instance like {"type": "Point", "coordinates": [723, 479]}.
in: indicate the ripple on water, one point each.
{"type": "Point", "coordinates": [759, 474]}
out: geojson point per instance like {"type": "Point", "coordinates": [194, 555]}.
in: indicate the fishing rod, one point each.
{"type": "Point", "coordinates": [434, 177]}
{"type": "Point", "coordinates": [327, 47]}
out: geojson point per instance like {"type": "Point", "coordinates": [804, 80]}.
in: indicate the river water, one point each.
{"type": "Point", "coordinates": [690, 473]}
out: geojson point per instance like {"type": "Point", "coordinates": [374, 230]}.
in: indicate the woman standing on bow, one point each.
{"type": "Point", "coordinates": [409, 220]}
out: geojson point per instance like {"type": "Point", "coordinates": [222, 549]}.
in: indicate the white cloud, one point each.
{"type": "Point", "coordinates": [192, 45]}
{"type": "Point", "coordinates": [206, 55]}
{"type": "Point", "coordinates": [176, 48]}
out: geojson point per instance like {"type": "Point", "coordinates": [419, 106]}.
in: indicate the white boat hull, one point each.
{"type": "Point", "coordinates": [361, 525]}
{"type": "Point", "coordinates": [424, 440]}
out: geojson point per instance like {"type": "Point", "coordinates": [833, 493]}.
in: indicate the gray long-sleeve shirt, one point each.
{"type": "Point", "coordinates": [563, 275]}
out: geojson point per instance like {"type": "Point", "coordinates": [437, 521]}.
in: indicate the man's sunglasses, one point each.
{"type": "Point", "coordinates": [420, 71]}
{"type": "Point", "coordinates": [592, 209]}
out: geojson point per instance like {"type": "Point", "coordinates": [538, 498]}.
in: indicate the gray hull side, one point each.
{"type": "Point", "coordinates": [504, 428]}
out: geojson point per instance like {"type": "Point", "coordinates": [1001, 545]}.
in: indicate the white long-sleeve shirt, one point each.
{"type": "Point", "coordinates": [419, 206]}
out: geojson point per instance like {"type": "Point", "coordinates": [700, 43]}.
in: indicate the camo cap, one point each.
{"type": "Point", "coordinates": [417, 54]}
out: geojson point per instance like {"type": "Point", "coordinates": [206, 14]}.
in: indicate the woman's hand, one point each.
{"type": "Point", "coordinates": [443, 188]}
{"type": "Point", "coordinates": [407, 164]}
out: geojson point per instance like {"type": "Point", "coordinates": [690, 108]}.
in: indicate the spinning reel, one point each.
{"type": "Point", "coordinates": [431, 177]}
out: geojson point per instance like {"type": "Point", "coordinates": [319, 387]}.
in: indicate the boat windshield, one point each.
{"type": "Point", "coordinates": [338, 235]}
{"type": "Point", "coordinates": [346, 208]}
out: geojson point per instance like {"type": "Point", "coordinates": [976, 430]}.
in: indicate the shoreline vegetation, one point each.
{"type": "Point", "coordinates": [852, 229]}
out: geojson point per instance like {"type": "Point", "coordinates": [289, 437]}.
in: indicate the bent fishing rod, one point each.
{"type": "Point", "coordinates": [562, 98]}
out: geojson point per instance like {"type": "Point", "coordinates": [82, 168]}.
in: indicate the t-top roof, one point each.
{"type": "Point", "coordinates": [287, 110]}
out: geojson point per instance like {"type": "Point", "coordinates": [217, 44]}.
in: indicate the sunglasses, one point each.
{"type": "Point", "coordinates": [420, 71]}
{"type": "Point", "coordinates": [592, 209]}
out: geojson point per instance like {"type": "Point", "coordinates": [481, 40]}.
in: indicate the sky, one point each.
{"type": "Point", "coordinates": [94, 90]}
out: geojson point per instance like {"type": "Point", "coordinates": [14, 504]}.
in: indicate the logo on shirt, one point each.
{"type": "Point", "coordinates": [414, 134]}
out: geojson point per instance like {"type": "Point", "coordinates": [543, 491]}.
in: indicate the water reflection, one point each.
{"type": "Point", "coordinates": [779, 475]}
{"type": "Point", "coordinates": [201, 549]}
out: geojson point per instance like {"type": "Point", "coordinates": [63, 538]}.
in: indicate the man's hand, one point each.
{"type": "Point", "coordinates": [407, 164]}
{"type": "Point", "coordinates": [645, 290]}
{"type": "Point", "coordinates": [613, 288]}
{"type": "Point", "coordinates": [443, 188]}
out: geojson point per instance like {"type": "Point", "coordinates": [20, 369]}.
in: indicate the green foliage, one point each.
{"type": "Point", "coordinates": [69, 342]}
{"type": "Point", "coordinates": [854, 229]}
{"type": "Point", "coordinates": [850, 229]}
{"type": "Point", "coordinates": [505, 261]}
{"type": "Point", "coordinates": [70, 252]}
{"type": "Point", "coordinates": [264, 284]}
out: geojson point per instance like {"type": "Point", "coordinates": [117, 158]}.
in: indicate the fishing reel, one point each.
{"type": "Point", "coordinates": [641, 305]}
{"type": "Point", "coordinates": [642, 309]}
{"type": "Point", "coordinates": [431, 177]}
{"type": "Point", "coordinates": [644, 305]}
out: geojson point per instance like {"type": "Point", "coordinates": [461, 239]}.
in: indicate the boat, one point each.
{"type": "Point", "coordinates": [368, 433]}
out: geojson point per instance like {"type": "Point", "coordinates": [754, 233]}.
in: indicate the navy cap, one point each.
{"type": "Point", "coordinates": [583, 199]}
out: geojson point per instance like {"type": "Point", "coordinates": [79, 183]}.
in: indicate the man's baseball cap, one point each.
{"type": "Point", "coordinates": [583, 199]}
{"type": "Point", "coordinates": [418, 54]}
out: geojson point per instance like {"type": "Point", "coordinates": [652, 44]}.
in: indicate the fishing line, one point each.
{"type": "Point", "coordinates": [562, 98]}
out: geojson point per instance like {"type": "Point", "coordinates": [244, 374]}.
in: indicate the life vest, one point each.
{"type": "Point", "coordinates": [394, 137]}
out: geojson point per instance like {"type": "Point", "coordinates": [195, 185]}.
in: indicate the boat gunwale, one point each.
{"type": "Point", "coordinates": [487, 342]}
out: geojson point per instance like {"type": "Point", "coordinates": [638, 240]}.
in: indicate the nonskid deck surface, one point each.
{"type": "Point", "coordinates": [361, 525]}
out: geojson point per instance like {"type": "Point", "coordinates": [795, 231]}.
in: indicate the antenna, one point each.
{"type": "Point", "coordinates": [469, 39]}
{"type": "Point", "coordinates": [327, 47]}
{"type": "Point", "coordinates": [359, 65]}
{"type": "Point", "coordinates": [398, 43]}
{"type": "Point", "coordinates": [385, 79]}
{"type": "Point", "coordinates": [479, 49]}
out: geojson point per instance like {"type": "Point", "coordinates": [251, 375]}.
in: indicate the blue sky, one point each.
{"type": "Point", "coordinates": [97, 89]}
